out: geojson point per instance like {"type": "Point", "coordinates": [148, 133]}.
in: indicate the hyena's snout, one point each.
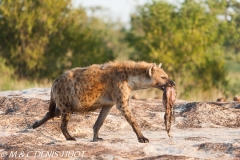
{"type": "Point", "coordinates": [170, 83]}
{"type": "Point", "coordinates": [167, 83]}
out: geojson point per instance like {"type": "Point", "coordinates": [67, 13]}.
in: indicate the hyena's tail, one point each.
{"type": "Point", "coordinates": [52, 106]}
{"type": "Point", "coordinates": [53, 112]}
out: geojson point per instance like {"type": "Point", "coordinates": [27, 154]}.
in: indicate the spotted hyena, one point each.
{"type": "Point", "coordinates": [102, 86]}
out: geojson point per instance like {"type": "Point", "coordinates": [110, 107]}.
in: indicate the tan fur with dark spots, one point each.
{"type": "Point", "coordinates": [102, 86]}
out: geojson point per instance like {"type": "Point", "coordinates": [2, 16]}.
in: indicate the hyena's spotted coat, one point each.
{"type": "Point", "coordinates": [102, 86]}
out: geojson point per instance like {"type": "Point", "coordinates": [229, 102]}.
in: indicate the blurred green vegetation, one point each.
{"type": "Point", "coordinates": [198, 42]}
{"type": "Point", "coordinates": [191, 40]}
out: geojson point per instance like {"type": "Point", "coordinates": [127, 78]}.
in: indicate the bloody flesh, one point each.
{"type": "Point", "coordinates": [169, 97]}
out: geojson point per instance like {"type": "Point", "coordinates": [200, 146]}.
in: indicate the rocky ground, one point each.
{"type": "Point", "coordinates": [202, 130]}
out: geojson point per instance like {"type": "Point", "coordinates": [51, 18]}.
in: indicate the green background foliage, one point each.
{"type": "Point", "coordinates": [185, 39]}
{"type": "Point", "coordinates": [41, 38]}
{"type": "Point", "coordinates": [197, 42]}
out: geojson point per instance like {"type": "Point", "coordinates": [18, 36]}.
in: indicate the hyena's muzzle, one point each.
{"type": "Point", "coordinates": [170, 83]}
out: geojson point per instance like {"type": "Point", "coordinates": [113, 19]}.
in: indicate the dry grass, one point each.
{"type": "Point", "coordinates": [10, 83]}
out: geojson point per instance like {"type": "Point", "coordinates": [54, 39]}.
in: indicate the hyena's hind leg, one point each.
{"type": "Point", "coordinates": [64, 121]}
{"type": "Point", "coordinates": [53, 112]}
{"type": "Point", "coordinates": [98, 124]}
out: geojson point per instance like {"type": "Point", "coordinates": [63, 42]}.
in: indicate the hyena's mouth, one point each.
{"type": "Point", "coordinates": [162, 87]}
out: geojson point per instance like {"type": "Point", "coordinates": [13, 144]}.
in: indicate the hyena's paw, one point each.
{"type": "Point", "coordinates": [97, 139]}
{"type": "Point", "coordinates": [35, 125]}
{"type": "Point", "coordinates": [71, 139]}
{"type": "Point", "coordinates": [143, 140]}
{"type": "Point", "coordinates": [169, 135]}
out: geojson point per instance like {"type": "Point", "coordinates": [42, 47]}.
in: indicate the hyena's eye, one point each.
{"type": "Point", "coordinates": [165, 78]}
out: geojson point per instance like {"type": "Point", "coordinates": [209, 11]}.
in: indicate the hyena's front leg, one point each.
{"type": "Point", "coordinates": [122, 104]}
{"type": "Point", "coordinates": [98, 124]}
{"type": "Point", "coordinates": [131, 120]}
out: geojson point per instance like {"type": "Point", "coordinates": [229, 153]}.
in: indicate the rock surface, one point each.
{"type": "Point", "coordinates": [202, 130]}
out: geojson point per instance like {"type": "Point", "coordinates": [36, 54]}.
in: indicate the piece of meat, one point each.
{"type": "Point", "coordinates": [169, 97]}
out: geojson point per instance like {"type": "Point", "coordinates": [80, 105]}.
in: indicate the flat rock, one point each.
{"type": "Point", "coordinates": [202, 130]}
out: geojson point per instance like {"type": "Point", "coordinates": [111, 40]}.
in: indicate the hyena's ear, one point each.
{"type": "Point", "coordinates": [152, 69]}
{"type": "Point", "coordinates": [160, 65]}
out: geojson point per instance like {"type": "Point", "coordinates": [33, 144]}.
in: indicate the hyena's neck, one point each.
{"type": "Point", "coordinates": [137, 82]}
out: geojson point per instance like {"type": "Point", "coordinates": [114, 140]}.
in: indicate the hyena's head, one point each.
{"type": "Point", "coordinates": [159, 78]}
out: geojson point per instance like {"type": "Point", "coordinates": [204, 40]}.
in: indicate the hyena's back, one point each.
{"type": "Point", "coordinates": [81, 89]}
